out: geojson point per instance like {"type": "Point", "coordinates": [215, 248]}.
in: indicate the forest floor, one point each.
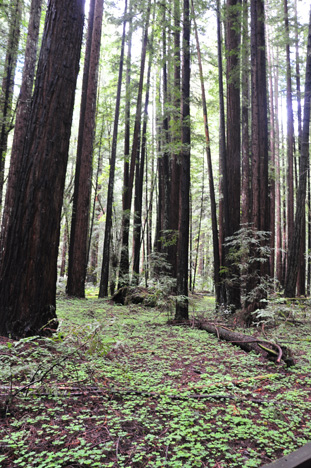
{"type": "Point", "coordinates": [118, 386]}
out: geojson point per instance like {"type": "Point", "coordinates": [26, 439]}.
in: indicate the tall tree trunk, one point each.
{"type": "Point", "coordinates": [290, 133]}
{"type": "Point", "coordinates": [278, 201]}
{"type": "Point", "coordinates": [210, 170]}
{"type": "Point", "coordinates": [128, 190]}
{"type": "Point", "coordinates": [23, 106]}
{"type": "Point", "coordinates": [77, 263]}
{"type": "Point", "coordinates": [301, 282]}
{"type": "Point", "coordinates": [233, 38]}
{"type": "Point", "coordinates": [124, 265]}
{"type": "Point", "coordinates": [103, 287]}
{"type": "Point", "coordinates": [181, 312]}
{"type": "Point", "coordinates": [6, 94]}
{"type": "Point", "coordinates": [260, 207]}
{"type": "Point", "coordinates": [272, 181]}
{"type": "Point", "coordinates": [246, 175]}
{"type": "Point", "coordinates": [140, 169]}
{"type": "Point", "coordinates": [176, 137]}
{"type": "Point", "coordinates": [223, 202]}
{"type": "Point", "coordinates": [294, 246]}
{"type": "Point", "coordinates": [29, 268]}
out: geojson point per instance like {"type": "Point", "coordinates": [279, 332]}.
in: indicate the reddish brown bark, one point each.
{"type": "Point", "coordinates": [78, 249]}
{"type": "Point", "coordinates": [29, 268]}
{"type": "Point", "coordinates": [295, 244]}
{"type": "Point", "coordinates": [23, 106]}
{"type": "Point", "coordinates": [6, 93]}
{"type": "Point", "coordinates": [233, 153]}
{"type": "Point", "coordinates": [181, 312]}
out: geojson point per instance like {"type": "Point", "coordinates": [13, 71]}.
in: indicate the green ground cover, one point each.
{"type": "Point", "coordinates": [117, 386]}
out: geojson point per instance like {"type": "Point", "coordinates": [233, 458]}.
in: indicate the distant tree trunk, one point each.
{"type": "Point", "coordinates": [290, 133]}
{"type": "Point", "coordinates": [165, 183]}
{"type": "Point", "coordinates": [260, 206]}
{"type": "Point", "coordinates": [233, 152]}
{"type": "Point", "coordinates": [23, 106]}
{"type": "Point", "coordinates": [223, 202]}
{"type": "Point", "coordinates": [176, 137]}
{"type": "Point", "coordinates": [294, 246]}
{"type": "Point", "coordinates": [273, 166]}
{"type": "Point", "coordinates": [301, 281]}
{"type": "Point", "coordinates": [103, 287]}
{"type": "Point", "coordinates": [246, 175]}
{"type": "Point", "coordinates": [6, 93]}
{"type": "Point", "coordinates": [140, 169]}
{"type": "Point", "coordinates": [181, 312]}
{"type": "Point", "coordinates": [29, 268]}
{"type": "Point", "coordinates": [78, 248]}
{"type": "Point", "coordinates": [210, 173]}
{"type": "Point", "coordinates": [128, 190]}
{"type": "Point", "coordinates": [278, 201]}
{"type": "Point", "coordinates": [125, 228]}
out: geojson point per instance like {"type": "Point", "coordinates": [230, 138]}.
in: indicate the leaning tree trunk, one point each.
{"type": "Point", "coordinates": [78, 247]}
{"type": "Point", "coordinates": [6, 93]}
{"type": "Point", "coordinates": [294, 246]}
{"type": "Point", "coordinates": [29, 268]}
{"type": "Point", "coordinates": [23, 106]}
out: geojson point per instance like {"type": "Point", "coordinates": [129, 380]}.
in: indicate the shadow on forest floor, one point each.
{"type": "Point", "coordinates": [117, 386]}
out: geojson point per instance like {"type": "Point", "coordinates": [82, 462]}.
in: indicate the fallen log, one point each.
{"type": "Point", "coordinates": [267, 349]}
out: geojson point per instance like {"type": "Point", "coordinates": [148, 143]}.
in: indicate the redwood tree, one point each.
{"type": "Point", "coordinates": [23, 105]}
{"type": "Point", "coordinates": [6, 93]}
{"type": "Point", "coordinates": [29, 263]}
{"type": "Point", "coordinates": [78, 248]}
{"type": "Point", "coordinates": [184, 208]}
{"type": "Point", "coordinates": [294, 246]}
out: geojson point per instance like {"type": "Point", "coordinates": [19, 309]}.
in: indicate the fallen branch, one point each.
{"type": "Point", "coordinates": [249, 343]}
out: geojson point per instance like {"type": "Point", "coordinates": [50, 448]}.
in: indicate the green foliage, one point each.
{"type": "Point", "coordinates": [246, 251]}
{"type": "Point", "coordinates": [125, 389]}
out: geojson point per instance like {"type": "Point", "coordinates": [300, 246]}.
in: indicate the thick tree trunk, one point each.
{"type": "Point", "coordinates": [181, 312]}
{"type": "Point", "coordinates": [23, 107]}
{"type": "Point", "coordinates": [223, 202]}
{"type": "Point", "coordinates": [103, 288]}
{"type": "Point", "coordinates": [6, 93]}
{"type": "Point", "coordinates": [246, 174]}
{"type": "Point", "coordinates": [233, 152]}
{"type": "Point", "coordinates": [78, 248]}
{"type": "Point", "coordinates": [295, 244]}
{"type": "Point", "coordinates": [29, 268]}
{"type": "Point", "coordinates": [260, 207]}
